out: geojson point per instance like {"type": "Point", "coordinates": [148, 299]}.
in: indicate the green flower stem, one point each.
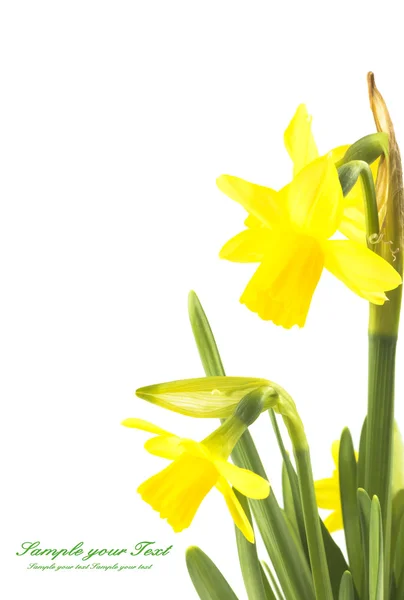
{"type": "Point", "coordinates": [380, 426]}
{"type": "Point", "coordinates": [318, 559]}
{"type": "Point", "coordinates": [349, 174]}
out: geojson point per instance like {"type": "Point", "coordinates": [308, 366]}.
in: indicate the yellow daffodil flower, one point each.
{"type": "Point", "coordinates": [328, 494]}
{"type": "Point", "coordinates": [291, 241]}
{"type": "Point", "coordinates": [177, 491]}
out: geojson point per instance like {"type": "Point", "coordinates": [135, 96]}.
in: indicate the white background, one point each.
{"type": "Point", "coordinates": [116, 119]}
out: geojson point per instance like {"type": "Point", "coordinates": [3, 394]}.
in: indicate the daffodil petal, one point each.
{"type": "Point", "coordinates": [145, 426]}
{"type": "Point", "coordinates": [353, 224]}
{"type": "Point", "coordinates": [338, 153]}
{"type": "Point", "coordinates": [282, 287]}
{"type": "Point", "coordinates": [362, 271]}
{"type": "Point", "coordinates": [165, 446]}
{"type": "Point", "coordinates": [252, 222]}
{"type": "Point", "coordinates": [315, 200]}
{"type": "Point", "coordinates": [327, 493]}
{"type": "Point", "coordinates": [261, 202]}
{"type": "Point", "coordinates": [236, 510]}
{"type": "Point", "coordinates": [334, 522]}
{"type": "Point", "coordinates": [335, 452]}
{"type": "Point", "coordinates": [299, 141]}
{"type": "Point", "coordinates": [248, 483]}
{"type": "Point", "coordinates": [247, 246]}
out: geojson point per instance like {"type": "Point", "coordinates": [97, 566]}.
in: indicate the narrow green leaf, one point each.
{"type": "Point", "coordinates": [295, 510]}
{"type": "Point", "coordinates": [273, 581]}
{"type": "Point", "coordinates": [397, 486]}
{"type": "Point", "coordinates": [349, 503]}
{"type": "Point", "coordinates": [206, 577]}
{"type": "Point", "coordinates": [205, 341]}
{"type": "Point", "coordinates": [399, 553]}
{"type": "Point", "coordinates": [346, 590]}
{"type": "Point", "coordinates": [288, 504]}
{"type": "Point", "coordinates": [364, 506]}
{"type": "Point", "coordinates": [269, 593]}
{"type": "Point", "coordinates": [376, 560]}
{"type": "Point", "coordinates": [285, 553]}
{"type": "Point", "coordinates": [249, 562]}
{"type": "Point", "coordinates": [288, 559]}
{"type": "Point", "coordinates": [336, 562]}
{"type": "Point", "coordinates": [362, 456]}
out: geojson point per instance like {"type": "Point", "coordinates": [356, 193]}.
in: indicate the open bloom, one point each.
{"type": "Point", "coordinates": [177, 491]}
{"type": "Point", "coordinates": [328, 494]}
{"type": "Point", "coordinates": [289, 234]}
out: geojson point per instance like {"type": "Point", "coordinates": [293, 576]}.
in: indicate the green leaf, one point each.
{"type": "Point", "coordinates": [294, 510]}
{"type": "Point", "coordinates": [362, 456]}
{"type": "Point", "coordinates": [346, 590]}
{"type": "Point", "coordinates": [399, 555]}
{"type": "Point", "coordinates": [376, 567]}
{"type": "Point", "coordinates": [287, 557]}
{"type": "Point", "coordinates": [205, 341]}
{"type": "Point", "coordinates": [397, 487]}
{"type": "Point", "coordinates": [364, 506]}
{"type": "Point", "coordinates": [336, 562]}
{"type": "Point", "coordinates": [349, 503]}
{"type": "Point", "coordinates": [249, 562]}
{"type": "Point", "coordinates": [270, 577]}
{"type": "Point", "coordinates": [288, 504]}
{"type": "Point", "coordinates": [268, 593]}
{"type": "Point", "coordinates": [206, 577]}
